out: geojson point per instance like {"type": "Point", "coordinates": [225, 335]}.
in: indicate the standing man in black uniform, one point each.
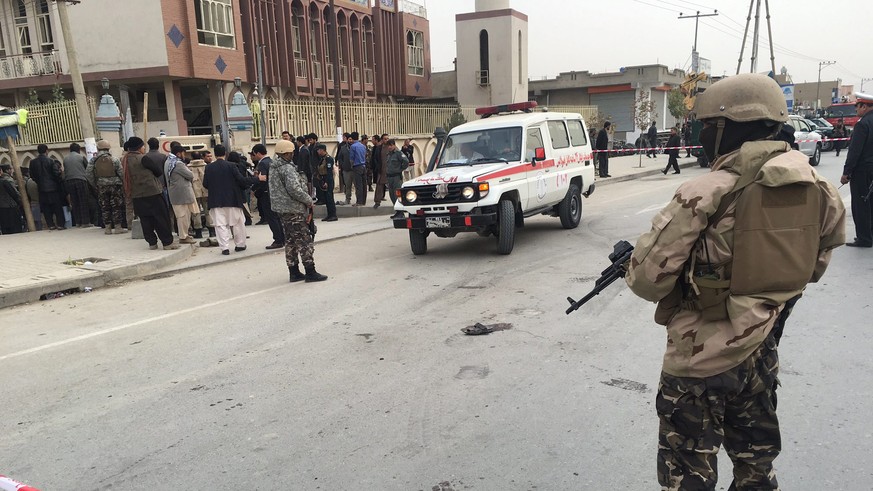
{"type": "Point", "coordinates": [673, 145]}
{"type": "Point", "coordinates": [602, 145]}
{"type": "Point", "coordinates": [262, 192]}
{"type": "Point", "coordinates": [858, 171]}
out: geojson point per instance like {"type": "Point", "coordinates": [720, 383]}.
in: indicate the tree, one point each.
{"type": "Point", "coordinates": [58, 94]}
{"type": "Point", "coordinates": [676, 104]}
{"type": "Point", "coordinates": [644, 114]}
{"type": "Point", "coordinates": [456, 119]}
{"type": "Point", "coordinates": [32, 97]}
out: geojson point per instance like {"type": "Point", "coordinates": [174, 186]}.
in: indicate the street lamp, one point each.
{"type": "Point", "coordinates": [105, 83]}
{"type": "Point", "coordinates": [237, 82]}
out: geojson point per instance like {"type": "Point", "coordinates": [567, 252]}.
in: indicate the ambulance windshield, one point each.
{"type": "Point", "coordinates": [482, 147]}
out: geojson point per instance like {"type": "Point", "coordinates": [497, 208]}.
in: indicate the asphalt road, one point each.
{"type": "Point", "coordinates": [231, 378]}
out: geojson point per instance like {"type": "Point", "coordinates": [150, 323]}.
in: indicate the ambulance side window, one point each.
{"type": "Point", "coordinates": [558, 132]}
{"type": "Point", "coordinates": [534, 141]}
{"type": "Point", "coordinates": [577, 133]}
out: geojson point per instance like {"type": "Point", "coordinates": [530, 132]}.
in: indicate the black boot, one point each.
{"type": "Point", "coordinates": [296, 275]}
{"type": "Point", "coordinates": [211, 231]}
{"type": "Point", "coordinates": [198, 233]}
{"type": "Point", "coordinates": [312, 275]}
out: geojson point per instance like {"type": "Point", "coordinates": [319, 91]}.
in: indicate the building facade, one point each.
{"type": "Point", "coordinates": [192, 56]}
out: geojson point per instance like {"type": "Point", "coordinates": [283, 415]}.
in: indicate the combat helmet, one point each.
{"type": "Point", "coordinates": [284, 146]}
{"type": "Point", "coordinates": [103, 145]}
{"type": "Point", "coordinates": [743, 98]}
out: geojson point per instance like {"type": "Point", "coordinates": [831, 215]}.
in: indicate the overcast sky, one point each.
{"type": "Point", "coordinates": [604, 35]}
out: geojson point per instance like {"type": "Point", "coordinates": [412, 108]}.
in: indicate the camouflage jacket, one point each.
{"type": "Point", "coordinates": [701, 348]}
{"type": "Point", "coordinates": [90, 173]}
{"type": "Point", "coordinates": [288, 188]}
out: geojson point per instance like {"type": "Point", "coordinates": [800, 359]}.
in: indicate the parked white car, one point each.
{"type": "Point", "coordinates": [807, 138]}
{"type": "Point", "coordinates": [493, 173]}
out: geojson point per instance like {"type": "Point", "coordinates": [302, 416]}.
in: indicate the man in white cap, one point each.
{"type": "Point", "coordinates": [858, 172]}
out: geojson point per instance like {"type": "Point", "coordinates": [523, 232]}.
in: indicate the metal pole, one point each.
{"type": "Point", "coordinates": [745, 35]}
{"type": "Point", "coordinates": [695, 59]}
{"type": "Point", "coordinates": [25, 200]}
{"type": "Point", "coordinates": [334, 55]}
{"type": "Point", "coordinates": [770, 36]}
{"type": "Point", "coordinates": [85, 121]}
{"type": "Point", "coordinates": [821, 65]}
{"type": "Point", "coordinates": [263, 115]}
{"type": "Point", "coordinates": [754, 67]}
{"type": "Point", "coordinates": [222, 115]}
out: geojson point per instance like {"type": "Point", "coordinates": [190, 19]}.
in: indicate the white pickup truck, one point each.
{"type": "Point", "coordinates": [492, 173]}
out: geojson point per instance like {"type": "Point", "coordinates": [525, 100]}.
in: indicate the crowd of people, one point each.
{"type": "Point", "coordinates": [207, 194]}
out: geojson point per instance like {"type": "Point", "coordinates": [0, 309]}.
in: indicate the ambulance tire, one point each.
{"type": "Point", "coordinates": [506, 227]}
{"type": "Point", "coordinates": [570, 209]}
{"type": "Point", "coordinates": [816, 156]}
{"type": "Point", "coordinates": [418, 242]}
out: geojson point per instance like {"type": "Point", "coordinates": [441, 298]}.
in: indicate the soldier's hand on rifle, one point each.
{"type": "Point", "coordinates": [844, 179]}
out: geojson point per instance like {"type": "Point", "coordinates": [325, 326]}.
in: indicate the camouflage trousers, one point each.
{"type": "Point", "coordinates": [112, 205]}
{"type": "Point", "coordinates": [298, 242]}
{"type": "Point", "coordinates": [735, 409]}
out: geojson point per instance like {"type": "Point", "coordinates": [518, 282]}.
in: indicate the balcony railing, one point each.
{"type": "Point", "coordinates": [413, 8]}
{"type": "Point", "coordinates": [300, 68]}
{"type": "Point", "coordinates": [30, 65]}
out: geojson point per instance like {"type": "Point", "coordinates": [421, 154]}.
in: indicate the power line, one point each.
{"type": "Point", "coordinates": [656, 6]}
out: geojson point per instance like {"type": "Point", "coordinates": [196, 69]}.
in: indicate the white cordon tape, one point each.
{"type": "Point", "coordinates": [648, 149]}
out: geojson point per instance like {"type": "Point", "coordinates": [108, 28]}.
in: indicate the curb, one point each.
{"type": "Point", "coordinates": [92, 277]}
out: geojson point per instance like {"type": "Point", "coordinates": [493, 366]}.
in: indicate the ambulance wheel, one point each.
{"type": "Point", "coordinates": [570, 209]}
{"type": "Point", "coordinates": [506, 227]}
{"type": "Point", "coordinates": [816, 156]}
{"type": "Point", "coordinates": [418, 242]}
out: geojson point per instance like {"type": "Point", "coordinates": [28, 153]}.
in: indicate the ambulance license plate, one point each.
{"type": "Point", "coordinates": [438, 222]}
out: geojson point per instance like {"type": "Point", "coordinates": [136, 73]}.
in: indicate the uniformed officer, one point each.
{"type": "Point", "coordinates": [722, 260]}
{"type": "Point", "coordinates": [105, 173]}
{"type": "Point", "coordinates": [858, 171]}
{"type": "Point", "coordinates": [290, 198]}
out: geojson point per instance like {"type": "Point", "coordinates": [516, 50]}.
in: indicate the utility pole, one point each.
{"type": "Point", "coordinates": [754, 65]}
{"type": "Point", "coordinates": [334, 55]}
{"type": "Point", "coordinates": [756, 5]}
{"type": "Point", "coordinates": [263, 116]}
{"type": "Point", "coordinates": [85, 121]}
{"type": "Point", "coordinates": [821, 65]}
{"type": "Point", "coordinates": [695, 57]}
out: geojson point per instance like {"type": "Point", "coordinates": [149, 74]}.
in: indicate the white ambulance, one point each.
{"type": "Point", "coordinates": [492, 173]}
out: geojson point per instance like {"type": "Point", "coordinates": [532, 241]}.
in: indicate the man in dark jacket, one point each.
{"type": "Point", "coordinates": [323, 175]}
{"type": "Point", "coordinates": [858, 172]}
{"type": "Point", "coordinates": [314, 159]}
{"type": "Point", "coordinates": [77, 186]}
{"type": "Point", "coordinates": [342, 152]}
{"type": "Point", "coordinates": [602, 145]}
{"type": "Point", "coordinates": [10, 202]}
{"type": "Point", "coordinates": [262, 192]}
{"type": "Point", "coordinates": [673, 145]}
{"type": "Point", "coordinates": [652, 136]}
{"type": "Point", "coordinates": [147, 195]}
{"type": "Point", "coordinates": [301, 158]}
{"type": "Point", "coordinates": [47, 175]}
{"type": "Point", "coordinates": [226, 184]}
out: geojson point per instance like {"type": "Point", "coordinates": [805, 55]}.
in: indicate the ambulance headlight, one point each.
{"type": "Point", "coordinates": [411, 196]}
{"type": "Point", "coordinates": [468, 192]}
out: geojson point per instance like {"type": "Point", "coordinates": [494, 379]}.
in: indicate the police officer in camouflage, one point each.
{"type": "Point", "coordinates": [105, 173]}
{"type": "Point", "coordinates": [291, 200]}
{"type": "Point", "coordinates": [723, 259]}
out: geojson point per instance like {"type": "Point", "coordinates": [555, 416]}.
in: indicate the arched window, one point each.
{"type": "Point", "coordinates": [415, 52]}
{"type": "Point", "coordinates": [482, 76]}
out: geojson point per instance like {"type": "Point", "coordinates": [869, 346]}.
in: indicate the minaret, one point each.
{"type": "Point", "coordinates": [491, 55]}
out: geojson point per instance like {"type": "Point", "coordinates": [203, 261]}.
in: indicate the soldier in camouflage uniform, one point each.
{"type": "Point", "coordinates": [723, 259]}
{"type": "Point", "coordinates": [290, 199]}
{"type": "Point", "coordinates": [105, 173]}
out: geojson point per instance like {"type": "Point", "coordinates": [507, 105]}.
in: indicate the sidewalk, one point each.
{"type": "Point", "coordinates": [40, 263]}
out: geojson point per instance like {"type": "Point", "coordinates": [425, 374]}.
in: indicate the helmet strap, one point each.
{"type": "Point", "coordinates": [718, 135]}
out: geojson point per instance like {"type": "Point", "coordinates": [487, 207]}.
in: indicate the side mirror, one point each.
{"type": "Point", "coordinates": [539, 155]}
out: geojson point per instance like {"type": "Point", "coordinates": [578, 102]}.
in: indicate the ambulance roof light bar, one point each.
{"type": "Point", "coordinates": [506, 108]}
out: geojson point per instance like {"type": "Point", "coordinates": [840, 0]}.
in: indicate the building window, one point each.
{"type": "Point", "coordinates": [296, 18]}
{"type": "Point", "coordinates": [22, 27]}
{"type": "Point", "coordinates": [44, 26]}
{"type": "Point", "coordinates": [482, 74]}
{"type": "Point", "coordinates": [415, 52]}
{"type": "Point", "coordinates": [2, 42]}
{"type": "Point", "coordinates": [520, 53]}
{"type": "Point", "coordinates": [313, 39]}
{"type": "Point", "coordinates": [215, 22]}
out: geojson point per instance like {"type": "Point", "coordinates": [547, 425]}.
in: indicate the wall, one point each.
{"type": "Point", "coordinates": [502, 27]}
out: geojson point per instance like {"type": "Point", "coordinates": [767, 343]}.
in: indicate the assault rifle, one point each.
{"type": "Point", "coordinates": [621, 254]}
{"type": "Point", "coordinates": [312, 228]}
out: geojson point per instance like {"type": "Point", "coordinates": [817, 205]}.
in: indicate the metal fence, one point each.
{"type": "Point", "coordinates": [53, 122]}
{"type": "Point", "coordinates": [303, 117]}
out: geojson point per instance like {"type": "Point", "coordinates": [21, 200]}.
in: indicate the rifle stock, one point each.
{"type": "Point", "coordinates": [621, 254]}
